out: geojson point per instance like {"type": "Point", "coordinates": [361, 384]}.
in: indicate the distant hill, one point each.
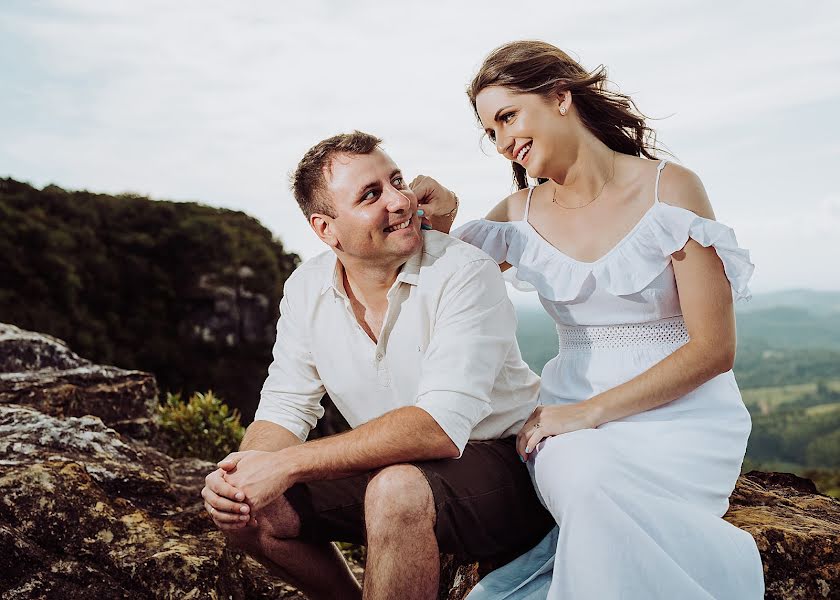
{"type": "Point", "coordinates": [817, 302]}
{"type": "Point", "coordinates": [789, 327]}
{"type": "Point", "coordinates": [784, 338]}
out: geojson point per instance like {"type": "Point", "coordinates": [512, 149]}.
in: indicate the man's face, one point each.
{"type": "Point", "coordinates": [376, 212]}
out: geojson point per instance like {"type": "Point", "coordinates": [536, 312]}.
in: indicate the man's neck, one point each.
{"type": "Point", "coordinates": [369, 284]}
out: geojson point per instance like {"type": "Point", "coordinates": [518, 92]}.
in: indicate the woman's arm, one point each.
{"type": "Point", "coordinates": [706, 301]}
{"type": "Point", "coordinates": [438, 203]}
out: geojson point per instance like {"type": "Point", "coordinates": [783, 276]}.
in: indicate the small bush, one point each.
{"type": "Point", "coordinates": [204, 427]}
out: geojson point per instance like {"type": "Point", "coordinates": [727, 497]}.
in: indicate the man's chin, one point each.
{"type": "Point", "coordinates": [408, 243]}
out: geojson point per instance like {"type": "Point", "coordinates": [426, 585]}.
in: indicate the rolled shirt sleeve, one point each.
{"type": "Point", "coordinates": [474, 329]}
{"type": "Point", "coordinates": [292, 392]}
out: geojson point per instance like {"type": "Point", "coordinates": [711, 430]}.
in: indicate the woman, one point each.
{"type": "Point", "coordinates": [641, 431]}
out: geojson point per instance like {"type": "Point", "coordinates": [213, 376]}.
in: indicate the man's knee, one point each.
{"type": "Point", "coordinates": [398, 496]}
{"type": "Point", "coordinates": [277, 521]}
{"type": "Point", "coordinates": [244, 539]}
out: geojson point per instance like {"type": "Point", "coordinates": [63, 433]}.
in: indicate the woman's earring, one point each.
{"type": "Point", "coordinates": [562, 110]}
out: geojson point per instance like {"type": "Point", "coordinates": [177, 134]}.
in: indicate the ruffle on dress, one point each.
{"type": "Point", "coordinates": [629, 267]}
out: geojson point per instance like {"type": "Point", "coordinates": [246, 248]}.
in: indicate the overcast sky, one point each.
{"type": "Point", "coordinates": [217, 101]}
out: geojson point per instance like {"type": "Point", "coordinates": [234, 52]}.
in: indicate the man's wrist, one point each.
{"type": "Point", "coordinates": [293, 462]}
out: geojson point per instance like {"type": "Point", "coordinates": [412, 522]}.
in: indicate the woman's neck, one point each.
{"type": "Point", "coordinates": [592, 165]}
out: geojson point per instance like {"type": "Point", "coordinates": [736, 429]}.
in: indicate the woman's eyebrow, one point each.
{"type": "Point", "coordinates": [496, 116]}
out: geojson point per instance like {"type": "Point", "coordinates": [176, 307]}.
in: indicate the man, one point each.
{"type": "Point", "coordinates": [413, 336]}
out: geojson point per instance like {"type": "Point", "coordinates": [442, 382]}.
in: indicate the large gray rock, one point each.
{"type": "Point", "coordinates": [85, 513]}
{"type": "Point", "coordinates": [40, 371]}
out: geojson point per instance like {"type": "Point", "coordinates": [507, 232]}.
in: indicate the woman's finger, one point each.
{"type": "Point", "coordinates": [523, 437]}
{"type": "Point", "coordinates": [535, 438]}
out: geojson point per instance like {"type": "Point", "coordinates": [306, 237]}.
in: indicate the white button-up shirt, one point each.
{"type": "Point", "coordinates": [447, 346]}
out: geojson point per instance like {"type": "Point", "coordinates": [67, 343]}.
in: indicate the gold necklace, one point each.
{"type": "Point", "coordinates": [606, 181]}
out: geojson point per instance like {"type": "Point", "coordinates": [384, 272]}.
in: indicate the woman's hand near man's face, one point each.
{"type": "Point", "coordinates": [436, 201]}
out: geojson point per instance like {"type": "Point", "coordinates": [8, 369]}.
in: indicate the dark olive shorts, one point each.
{"type": "Point", "coordinates": [486, 505]}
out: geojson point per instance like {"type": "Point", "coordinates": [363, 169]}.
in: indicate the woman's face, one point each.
{"type": "Point", "coordinates": [528, 129]}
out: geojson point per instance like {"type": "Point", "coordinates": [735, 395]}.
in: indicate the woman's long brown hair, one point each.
{"type": "Point", "coordinates": [534, 67]}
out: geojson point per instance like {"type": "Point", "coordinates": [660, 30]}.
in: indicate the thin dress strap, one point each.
{"type": "Point", "coordinates": [528, 203]}
{"type": "Point", "coordinates": [658, 174]}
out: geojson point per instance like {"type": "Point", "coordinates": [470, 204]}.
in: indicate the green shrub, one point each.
{"type": "Point", "coordinates": [204, 427]}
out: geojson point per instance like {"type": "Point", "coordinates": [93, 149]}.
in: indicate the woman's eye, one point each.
{"type": "Point", "coordinates": [492, 137]}
{"type": "Point", "coordinates": [507, 117]}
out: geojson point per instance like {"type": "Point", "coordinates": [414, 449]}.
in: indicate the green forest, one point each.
{"type": "Point", "coordinates": [119, 278]}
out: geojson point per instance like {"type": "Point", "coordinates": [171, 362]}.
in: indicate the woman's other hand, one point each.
{"type": "Point", "coordinates": [439, 204]}
{"type": "Point", "coordinates": [547, 421]}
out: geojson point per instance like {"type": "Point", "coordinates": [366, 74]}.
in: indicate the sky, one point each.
{"type": "Point", "coordinates": [217, 101]}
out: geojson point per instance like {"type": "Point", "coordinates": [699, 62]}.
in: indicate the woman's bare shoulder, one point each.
{"type": "Point", "coordinates": [511, 208]}
{"type": "Point", "coordinates": [679, 186]}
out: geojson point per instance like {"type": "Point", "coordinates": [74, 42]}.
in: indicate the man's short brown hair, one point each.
{"type": "Point", "coordinates": [308, 182]}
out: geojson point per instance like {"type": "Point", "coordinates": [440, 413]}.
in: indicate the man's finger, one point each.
{"type": "Point", "coordinates": [224, 517]}
{"type": "Point", "coordinates": [222, 488]}
{"type": "Point", "coordinates": [223, 504]}
{"type": "Point", "coordinates": [229, 462]}
{"type": "Point", "coordinates": [230, 526]}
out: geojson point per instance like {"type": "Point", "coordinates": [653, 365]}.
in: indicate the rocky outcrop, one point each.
{"type": "Point", "coordinates": [88, 512]}
{"type": "Point", "coordinates": [85, 513]}
{"type": "Point", "coordinates": [797, 532]}
{"type": "Point", "coordinates": [222, 311]}
{"type": "Point", "coordinates": [42, 372]}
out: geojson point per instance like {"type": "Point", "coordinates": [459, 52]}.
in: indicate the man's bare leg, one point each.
{"type": "Point", "coordinates": [316, 569]}
{"type": "Point", "coordinates": [402, 552]}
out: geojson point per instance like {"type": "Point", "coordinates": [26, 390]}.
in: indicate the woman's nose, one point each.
{"type": "Point", "coordinates": [503, 145]}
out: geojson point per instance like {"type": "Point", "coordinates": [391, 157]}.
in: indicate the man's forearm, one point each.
{"type": "Point", "coordinates": [267, 436]}
{"type": "Point", "coordinates": [403, 435]}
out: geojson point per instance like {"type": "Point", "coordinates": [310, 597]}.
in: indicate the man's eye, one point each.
{"type": "Point", "coordinates": [398, 182]}
{"type": "Point", "coordinates": [369, 196]}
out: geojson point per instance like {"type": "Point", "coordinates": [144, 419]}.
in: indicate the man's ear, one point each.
{"type": "Point", "coordinates": [322, 225]}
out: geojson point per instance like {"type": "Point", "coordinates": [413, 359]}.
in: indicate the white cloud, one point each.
{"type": "Point", "coordinates": [217, 101]}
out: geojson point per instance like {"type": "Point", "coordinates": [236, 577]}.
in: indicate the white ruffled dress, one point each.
{"type": "Point", "coordinates": [638, 501]}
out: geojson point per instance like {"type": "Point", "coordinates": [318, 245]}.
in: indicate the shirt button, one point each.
{"type": "Point", "coordinates": [379, 356]}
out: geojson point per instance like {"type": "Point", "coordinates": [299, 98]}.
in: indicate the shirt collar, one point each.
{"type": "Point", "coordinates": [333, 280]}
{"type": "Point", "coordinates": [410, 273]}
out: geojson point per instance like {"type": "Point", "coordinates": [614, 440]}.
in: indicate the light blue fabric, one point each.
{"type": "Point", "coordinates": [528, 577]}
